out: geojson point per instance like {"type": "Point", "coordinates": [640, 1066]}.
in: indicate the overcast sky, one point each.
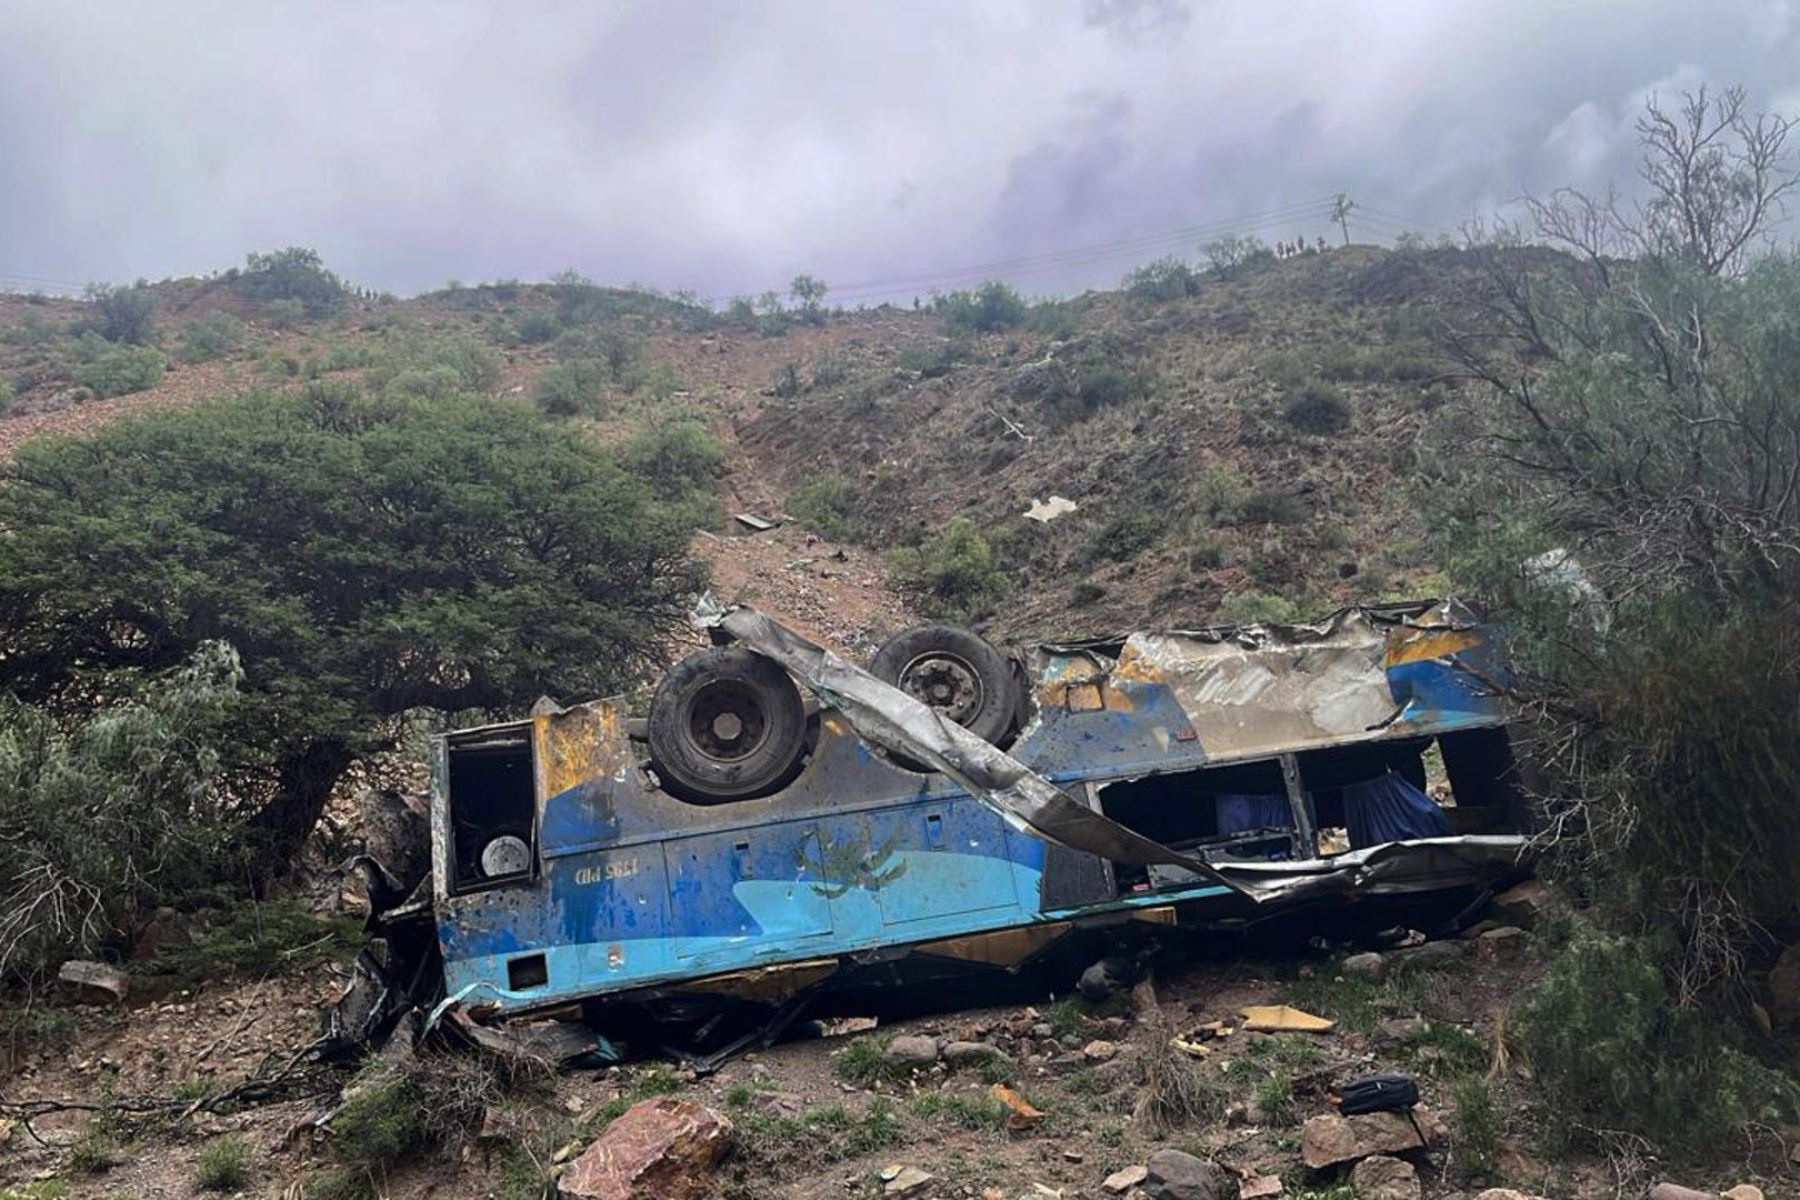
{"type": "Point", "coordinates": [723, 147]}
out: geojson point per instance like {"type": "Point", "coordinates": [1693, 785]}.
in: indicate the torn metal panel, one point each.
{"type": "Point", "coordinates": [887, 717]}
{"type": "Point", "coordinates": [1393, 868]}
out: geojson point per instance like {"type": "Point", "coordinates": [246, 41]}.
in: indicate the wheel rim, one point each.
{"type": "Point", "coordinates": [947, 682]}
{"type": "Point", "coordinates": [727, 721]}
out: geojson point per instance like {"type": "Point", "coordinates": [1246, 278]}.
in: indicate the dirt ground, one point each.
{"type": "Point", "coordinates": [1083, 1066]}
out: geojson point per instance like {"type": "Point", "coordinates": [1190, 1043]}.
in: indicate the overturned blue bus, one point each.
{"type": "Point", "coordinates": [786, 825]}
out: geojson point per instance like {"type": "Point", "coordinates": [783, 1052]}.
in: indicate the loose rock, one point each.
{"type": "Point", "coordinates": [1120, 1182]}
{"type": "Point", "coordinates": [1259, 1187]}
{"type": "Point", "coordinates": [1401, 1029]}
{"type": "Point", "coordinates": [661, 1149]}
{"type": "Point", "coordinates": [1369, 965]}
{"type": "Point", "coordinates": [1522, 905]}
{"type": "Point", "coordinates": [1382, 1178]}
{"type": "Point", "coordinates": [1505, 944]}
{"type": "Point", "coordinates": [1329, 1139]}
{"type": "Point", "coordinates": [912, 1051]}
{"type": "Point", "coordinates": [962, 1054]}
{"type": "Point", "coordinates": [94, 983]}
{"type": "Point", "coordinates": [907, 1181]}
{"type": "Point", "coordinates": [1176, 1175]}
{"type": "Point", "coordinates": [1430, 956]}
{"type": "Point", "coordinates": [1743, 1191]}
{"type": "Point", "coordinates": [1099, 1051]}
{"type": "Point", "coordinates": [1674, 1191]}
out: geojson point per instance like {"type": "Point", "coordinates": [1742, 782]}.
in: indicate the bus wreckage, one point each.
{"type": "Point", "coordinates": [789, 833]}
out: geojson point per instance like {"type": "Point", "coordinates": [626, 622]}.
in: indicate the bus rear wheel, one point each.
{"type": "Point", "coordinates": [956, 672]}
{"type": "Point", "coordinates": [725, 724]}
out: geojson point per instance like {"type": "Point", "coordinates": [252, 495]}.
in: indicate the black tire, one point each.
{"type": "Point", "coordinates": [957, 672]}
{"type": "Point", "coordinates": [725, 724]}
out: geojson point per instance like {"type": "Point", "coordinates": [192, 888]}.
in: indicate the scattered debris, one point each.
{"type": "Point", "coordinates": [1043, 511]}
{"type": "Point", "coordinates": [1023, 1115]}
{"type": "Point", "coordinates": [844, 1026]}
{"type": "Point", "coordinates": [753, 522]}
{"type": "Point", "coordinates": [661, 1149]}
{"type": "Point", "coordinates": [1380, 1177]}
{"type": "Point", "coordinates": [94, 983]}
{"type": "Point", "coordinates": [1743, 1191]}
{"type": "Point", "coordinates": [1282, 1018]}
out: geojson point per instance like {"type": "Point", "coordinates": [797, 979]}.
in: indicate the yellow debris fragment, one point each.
{"type": "Point", "coordinates": [1281, 1018]}
{"type": "Point", "coordinates": [1190, 1048]}
{"type": "Point", "coordinates": [1022, 1116]}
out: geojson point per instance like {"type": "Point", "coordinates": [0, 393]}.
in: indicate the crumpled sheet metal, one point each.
{"type": "Point", "coordinates": [1262, 689]}
{"type": "Point", "coordinates": [1392, 868]}
{"type": "Point", "coordinates": [887, 717]}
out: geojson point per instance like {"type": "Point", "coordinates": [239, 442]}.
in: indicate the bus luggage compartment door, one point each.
{"type": "Point", "coordinates": [728, 890]}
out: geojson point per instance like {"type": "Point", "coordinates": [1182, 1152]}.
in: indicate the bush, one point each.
{"type": "Point", "coordinates": [826, 504]}
{"type": "Point", "coordinates": [952, 573]}
{"type": "Point", "coordinates": [284, 314]}
{"type": "Point", "coordinates": [224, 1166]}
{"type": "Point", "coordinates": [1126, 535]}
{"type": "Point", "coordinates": [1273, 506]}
{"type": "Point", "coordinates": [1257, 608]}
{"type": "Point", "coordinates": [116, 370]}
{"type": "Point", "coordinates": [1092, 385]}
{"type": "Point", "coordinates": [154, 824]}
{"type": "Point", "coordinates": [126, 315]}
{"type": "Point", "coordinates": [1164, 279]}
{"type": "Point", "coordinates": [576, 388]}
{"type": "Point", "coordinates": [829, 370]}
{"type": "Point", "coordinates": [1612, 1048]}
{"type": "Point", "coordinates": [992, 306]}
{"type": "Point", "coordinates": [212, 336]}
{"type": "Point", "coordinates": [1317, 408]}
{"type": "Point", "coordinates": [295, 276]}
{"type": "Point", "coordinates": [787, 383]}
{"type": "Point", "coordinates": [934, 360]}
{"type": "Point", "coordinates": [9, 397]}
{"type": "Point", "coordinates": [536, 328]}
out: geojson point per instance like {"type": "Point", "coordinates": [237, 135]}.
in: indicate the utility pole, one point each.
{"type": "Point", "coordinates": [1340, 214]}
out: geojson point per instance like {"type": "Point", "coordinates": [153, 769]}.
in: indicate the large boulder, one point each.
{"type": "Point", "coordinates": [1380, 1177]}
{"type": "Point", "coordinates": [1177, 1175]}
{"type": "Point", "coordinates": [1329, 1139]}
{"type": "Point", "coordinates": [662, 1149]}
{"type": "Point", "coordinates": [1368, 965]}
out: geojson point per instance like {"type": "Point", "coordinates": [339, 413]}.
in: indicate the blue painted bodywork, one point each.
{"type": "Point", "coordinates": [632, 887]}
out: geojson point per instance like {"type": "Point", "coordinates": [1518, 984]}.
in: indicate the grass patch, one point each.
{"type": "Point", "coordinates": [1477, 1124]}
{"type": "Point", "coordinates": [768, 1144]}
{"type": "Point", "coordinates": [978, 1112]}
{"type": "Point", "coordinates": [1445, 1051]}
{"type": "Point", "coordinates": [864, 1061]}
{"type": "Point", "coordinates": [224, 1166]}
{"type": "Point", "coordinates": [96, 1151]}
{"type": "Point", "coordinates": [1358, 1004]}
{"type": "Point", "coordinates": [1071, 1014]}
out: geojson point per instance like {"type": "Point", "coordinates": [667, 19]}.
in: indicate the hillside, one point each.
{"type": "Point", "coordinates": [1243, 451]}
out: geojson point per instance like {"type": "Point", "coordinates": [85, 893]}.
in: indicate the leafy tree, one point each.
{"type": "Point", "coordinates": [576, 388]}
{"type": "Point", "coordinates": [124, 314]}
{"type": "Point", "coordinates": [683, 465]}
{"type": "Point", "coordinates": [1234, 257]}
{"type": "Point", "coordinates": [296, 274]}
{"type": "Point", "coordinates": [367, 555]}
{"type": "Point", "coordinates": [826, 503]}
{"type": "Point", "coordinates": [1164, 279]}
{"type": "Point", "coordinates": [809, 293]}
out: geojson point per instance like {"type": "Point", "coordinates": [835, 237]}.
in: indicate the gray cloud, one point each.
{"type": "Point", "coordinates": [725, 147]}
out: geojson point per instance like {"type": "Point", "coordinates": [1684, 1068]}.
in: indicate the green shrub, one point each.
{"type": "Point", "coordinates": [536, 328]}
{"type": "Point", "coordinates": [1255, 608]}
{"type": "Point", "coordinates": [787, 383]}
{"type": "Point", "coordinates": [1164, 279]}
{"type": "Point", "coordinates": [1273, 506]}
{"type": "Point", "coordinates": [826, 504]}
{"type": "Point", "coordinates": [1317, 408]}
{"type": "Point", "coordinates": [979, 1111]}
{"type": "Point", "coordinates": [107, 369]}
{"type": "Point", "coordinates": [294, 276]}
{"type": "Point", "coordinates": [284, 314]}
{"type": "Point", "coordinates": [952, 573]}
{"type": "Point", "coordinates": [682, 463]}
{"type": "Point", "coordinates": [9, 397]}
{"type": "Point", "coordinates": [126, 315]}
{"type": "Point", "coordinates": [1477, 1124]}
{"type": "Point", "coordinates": [265, 938]}
{"type": "Point", "coordinates": [1126, 535]}
{"type": "Point", "coordinates": [224, 1166]}
{"type": "Point", "coordinates": [32, 329]}
{"type": "Point", "coordinates": [576, 388]}
{"type": "Point", "coordinates": [771, 1144]}
{"type": "Point", "coordinates": [829, 370]}
{"type": "Point", "coordinates": [933, 360]}
{"type": "Point", "coordinates": [992, 306]}
{"type": "Point", "coordinates": [211, 336]}
{"type": "Point", "coordinates": [864, 1061]}
{"type": "Point", "coordinates": [1611, 1048]}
